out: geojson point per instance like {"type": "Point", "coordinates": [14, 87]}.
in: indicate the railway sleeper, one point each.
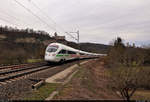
{"type": "Point", "coordinates": [17, 70]}
{"type": "Point", "coordinates": [20, 74]}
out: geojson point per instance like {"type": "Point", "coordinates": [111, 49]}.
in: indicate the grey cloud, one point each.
{"type": "Point", "coordinates": [98, 20]}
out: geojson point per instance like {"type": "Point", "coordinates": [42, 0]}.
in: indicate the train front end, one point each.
{"type": "Point", "coordinates": [51, 52]}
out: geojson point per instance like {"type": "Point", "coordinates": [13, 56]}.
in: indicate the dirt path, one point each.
{"type": "Point", "coordinates": [90, 82]}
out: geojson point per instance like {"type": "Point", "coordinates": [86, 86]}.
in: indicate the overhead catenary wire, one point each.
{"type": "Point", "coordinates": [2, 19]}
{"type": "Point", "coordinates": [71, 35]}
{"type": "Point", "coordinates": [51, 19]}
{"type": "Point", "coordinates": [34, 15]}
{"type": "Point", "coordinates": [14, 24]}
{"type": "Point", "coordinates": [8, 16]}
{"type": "Point", "coordinates": [2, 12]}
{"type": "Point", "coordinates": [36, 6]}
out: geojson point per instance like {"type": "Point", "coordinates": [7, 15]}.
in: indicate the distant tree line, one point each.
{"type": "Point", "coordinates": [127, 55]}
{"type": "Point", "coordinates": [14, 33]}
{"type": "Point", "coordinates": [26, 31]}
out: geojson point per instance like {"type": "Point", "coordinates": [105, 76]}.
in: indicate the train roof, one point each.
{"type": "Point", "coordinates": [72, 49]}
{"type": "Point", "coordinates": [64, 46]}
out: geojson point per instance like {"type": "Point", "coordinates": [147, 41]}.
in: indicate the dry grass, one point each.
{"type": "Point", "coordinates": [88, 83]}
{"type": "Point", "coordinates": [142, 95]}
{"type": "Point", "coordinates": [26, 40]}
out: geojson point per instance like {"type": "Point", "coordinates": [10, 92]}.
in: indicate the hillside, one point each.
{"type": "Point", "coordinates": [93, 47]}
{"type": "Point", "coordinates": [19, 45]}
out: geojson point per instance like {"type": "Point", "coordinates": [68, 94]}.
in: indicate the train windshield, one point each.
{"type": "Point", "coordinates": [52, 49]}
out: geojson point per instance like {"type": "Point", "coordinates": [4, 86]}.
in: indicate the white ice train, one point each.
{"type": "Point", "coordinates": [56, 52]}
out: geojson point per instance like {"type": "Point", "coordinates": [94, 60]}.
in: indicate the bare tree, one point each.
{"type": "Point", "coordinates": [125, 81]}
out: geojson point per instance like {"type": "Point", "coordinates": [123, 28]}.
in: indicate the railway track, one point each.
{"type": "Point", "coordinates": [18, 85]}
{"type": "Point", "coordinates": [15, 73]}
{"type": "Point", "coordinates": [19, 71]}
{"type": "Point", "coordinates": [18, 66]}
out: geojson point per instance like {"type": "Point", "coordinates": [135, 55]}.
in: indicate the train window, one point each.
{"type": "Point", "coordinates": [52, 49]}
{"type": "Point", "coordinates": [81, 54]}
{"type": "Point", "coordinates": [62, 52]}
{"type": "Point", "coordinates": [71, 52]}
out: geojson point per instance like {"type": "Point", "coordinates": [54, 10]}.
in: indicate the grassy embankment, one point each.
{"type": "Point", "coordinates": [88, 83]}
{"type": "Point", "coordinates": [43, 92]}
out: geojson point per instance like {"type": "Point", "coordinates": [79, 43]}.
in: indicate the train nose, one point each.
{"type": "Point", "coordinates": [50, 56]}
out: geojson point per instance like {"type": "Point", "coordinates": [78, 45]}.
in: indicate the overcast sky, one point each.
{"type": "Point", "coordinates": [99, 21]}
